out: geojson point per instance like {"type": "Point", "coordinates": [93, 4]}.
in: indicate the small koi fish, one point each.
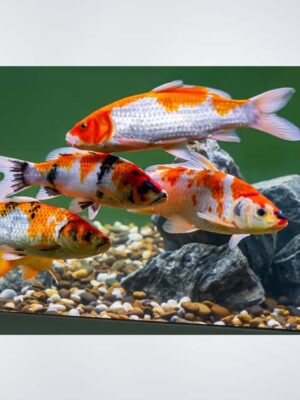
{"type": "Point", "coordinates": [31, 228]}
{"type": "Point", "coordinates": [91, 178]}
{"type": "Point", "coordinates": [174, 114]}
{"type": "Point", "coordinates": [200, 197]}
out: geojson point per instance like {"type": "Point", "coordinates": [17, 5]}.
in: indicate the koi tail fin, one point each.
{"type": "Point", "coordinates": [266, 105]}
{"type": "Point", "coordinates": [14, 175]}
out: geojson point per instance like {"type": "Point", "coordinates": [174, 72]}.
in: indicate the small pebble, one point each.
{"type": "Point", "coordinates": [8, 294]}
{"type": "Point", "coordinates": [74, 312]}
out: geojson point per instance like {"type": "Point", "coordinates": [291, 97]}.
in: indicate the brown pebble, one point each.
{"type": "Point", "coordinates": [136, 311]}
{"type": "Point", "coordinates": [208, 303]}
{"type": "Point", "coordinates": [190, 306]}
{"type": "Point", "coordinates": [189, 316]}
{"type": "Point", "coordinates": [169, 315]}
{"type": "Point", "coordinates": [139, 295]}
{"type": "Point", "coordinates": [219, 311]}
{"type": "Point", "coordinates": [203, 310]}
{"type": "Point", "coordinates": [271, 303]}
{"type": "Point", "coordinates": [256, 321]}
{"type": "Point", "coordinates": [255, 310]}
{"type": "Point", "coordinates": [41, 296]}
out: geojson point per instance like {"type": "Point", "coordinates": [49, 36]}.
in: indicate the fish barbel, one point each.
{"type": "Point", "coordinates": [174, 114]}
{"type": "Point", "coordinates": [29, 227]}
{"type": "Point", "coordinates": [200, 197]}
{"type": "Point", "coordinates": [91, 178]}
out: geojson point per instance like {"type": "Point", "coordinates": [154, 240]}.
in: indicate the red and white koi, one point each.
{"type": "Point", "coordinates": [174, 114]}
{"type": "Point", "coordinates": [200, 197]}
{"type": "Point", "coordinates": [31, 228]}
{"type": "Point", "coordinates": [91, 178]}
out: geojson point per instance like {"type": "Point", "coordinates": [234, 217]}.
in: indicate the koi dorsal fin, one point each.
{"type": "Point", "coordinates": [167, 86]}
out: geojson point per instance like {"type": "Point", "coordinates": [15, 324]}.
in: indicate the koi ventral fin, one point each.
{"type": "Point", "coordinates": [78, 205]}
{"type": "Point", "coordinates": [46, 192]}
{"type": "Point", "coordinates": [29, 272]}
{"type": "Point", "coordinates": [266, 105]}
{"type": "Point", "coordinates": [235, 240]}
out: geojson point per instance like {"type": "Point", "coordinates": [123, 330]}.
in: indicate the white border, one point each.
{"type": "Point", "coordinates": [154, 32]}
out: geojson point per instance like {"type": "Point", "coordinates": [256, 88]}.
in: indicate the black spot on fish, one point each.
{"type": "Point", "coordinates": [130, 197]}
{"type": "Point", "coordinates": [238, 209]}
{"type": "Point", "coordinates": [51, 176]}
{"type": "Point", "coordinates": [32, 215]}
{"type": "Point", "coordinates": [99, 194]}
{"type": "Point", "coordinates": [146, 186]}
{"type": "Point", "coordinates": [106, 166]}
{"type": "Point", "coordinates": [18, 169]}
{"type": "Point", "coordinates": [135, 172]}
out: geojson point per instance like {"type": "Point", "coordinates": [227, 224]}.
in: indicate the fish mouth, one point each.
{"type": "Point", "coordinates": [71, 139]}
{"type": "Point", "coordinates": [282, 223]}
{"type": "Point", "coordinates": [104, 247]}
{"type": "Point", "coordinates": [162, 197]}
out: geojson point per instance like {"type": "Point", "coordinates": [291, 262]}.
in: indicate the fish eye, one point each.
{"type": "Point", "coordinates": [87, 236]}
{"type": "Point", "coordinates": [261, 212]}
{"type": "Point", "coordinates": [83, 126]}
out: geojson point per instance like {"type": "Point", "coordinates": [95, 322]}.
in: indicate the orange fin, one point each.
{"type": "Point", "coordinates": [29, 272]}
{"type": "Point", "coordinates": [5, 266]}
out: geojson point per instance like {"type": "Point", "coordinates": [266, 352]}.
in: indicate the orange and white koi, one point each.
{"type": "Point", "coordinates": [200, 197]}
{"type": "Point", "coordinates": [30, 265]}
{"type": "Point", "coordinates": [31, 228]}
{"type": "Point", "coordinates": [173, 114]}
{"type": "Point", "coordinates": [91, 178]}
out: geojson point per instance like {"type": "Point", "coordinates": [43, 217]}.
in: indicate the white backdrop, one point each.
{"type": "Point", "coordinates": [135, 32]}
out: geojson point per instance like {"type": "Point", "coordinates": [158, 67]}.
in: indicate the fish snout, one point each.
{"type": "Point", "coordinates": [162, 197]}
{"type": "Point", "coordinates": [283, 222]}
{"type": "Point", "coordinates": [72, 140]}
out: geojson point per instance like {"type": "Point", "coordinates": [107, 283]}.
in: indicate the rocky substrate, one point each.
{"type": "Point", "coordinates": [100, 287]}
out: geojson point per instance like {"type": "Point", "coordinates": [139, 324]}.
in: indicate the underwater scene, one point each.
{"type": "Point", "coordinates": [159, 194]}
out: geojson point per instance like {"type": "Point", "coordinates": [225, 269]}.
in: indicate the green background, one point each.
{"type": "Point", "coordinates": [40, 104]}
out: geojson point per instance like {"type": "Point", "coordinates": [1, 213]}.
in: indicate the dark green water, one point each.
{"type": "Point", "coordinates": [39, 105]}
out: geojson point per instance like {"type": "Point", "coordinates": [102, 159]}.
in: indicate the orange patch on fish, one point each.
{"type": "Point", "coordinates": [64, 161]}
{"type": "Point", "coordinates": [88, 164]}
{"type": "Point", "coordinates": [214, 181]}
{"type": "Point", "coordinates": [173, 175]}
{"type": "Point", "coordinates": [243, 189]}
{"type": "Point", "coordinates": [224, 106]}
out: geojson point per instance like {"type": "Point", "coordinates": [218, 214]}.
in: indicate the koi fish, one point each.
{"type": "Point", "coordinates": [31, 228]}
{"type": "Point", "coordinates": [200, 197]}
{"type": "Point", "coordinates": [91, 178]}
{"type": "Point", "coordinates": [30, 265]}
{"type": "Point", "coordinates": [174, 114]}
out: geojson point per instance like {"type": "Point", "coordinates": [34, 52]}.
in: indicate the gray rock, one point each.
{"type": "Point", "coordinates": [286, 270]}
{"type": "Point", "coordinates": [201, 272]}
{"type": "Point", "coordinates": [211, 150]}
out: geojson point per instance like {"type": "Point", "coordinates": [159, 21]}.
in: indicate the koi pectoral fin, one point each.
{"type": "Point", "coordinates": [235, 240]}
{"type": "Point", "coordinates": [78, 205]}
{"type": "Point", "coordinates": [178, 225]}
{"type": "Point", "coordinates": [214, 220]}
{"type": "Point", "coordinates": [226, 136]}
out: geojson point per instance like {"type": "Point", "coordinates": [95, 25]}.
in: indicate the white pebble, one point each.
{"type": "Point", "coordinates": [100, 307]}
{"type": "Point", "coordinates": [118, 225]}
{"type": "Point", "coordinates": [221, 323]}
{"type": "Point", "coordinates": [146, 254]}
{"type": "Point", "coordinates": [57, 307]}
{"type": "Point", "coordinates": [184, 299]}
{"type": "Point", "coordinates": [172, 303]}
{"type": "Point", "coordinates": [18, 298]}
{"type": "Point", "coordinates": [134, 317]}
{"type": "Point", "coordinates": [127, 306]}
{"type": "Point", "coordinates": [147, 316]}
{"type": "Point", "coordinates": [8, 294]}
{"type": "Point", "coordinates": [244, 312]}
{"type": "Point", "coordinates": [103, 276]}
{"type": "Point", "coordinates": [154, 304]}
{"type": "Point", "coordinates": [102, 290]}
{"type": "Point", "coordinates": [74, 312]}
{"type": "Point", "coordinates": [272, 323]}
{"type": "Point", "coordinates": [121, 248]}
{"type": "Point", "coordinates": [134, 229]}
{"type": "Point", "coordinates": [95, 283]}
{"type": "Point", "coordinates": [146, 231]}
{"type": "Point", "coordinates": [75, 297]}
{"type": "Point", "coordinates": [134, 237]}
{"type": "Point", "coordinates": [117, 292]}
{"type": "Point", "coordinates": [276, 311]}
{"type": "Point", "coordinates": [54, 298]}
{"type": "Point", "coordinates": [28, 293]}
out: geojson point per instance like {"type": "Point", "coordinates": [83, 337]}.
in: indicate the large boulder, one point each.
{"type": "Point", "coordinates": [286, 270]}
{"type": "Point", "coordinates": [201, 272]}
